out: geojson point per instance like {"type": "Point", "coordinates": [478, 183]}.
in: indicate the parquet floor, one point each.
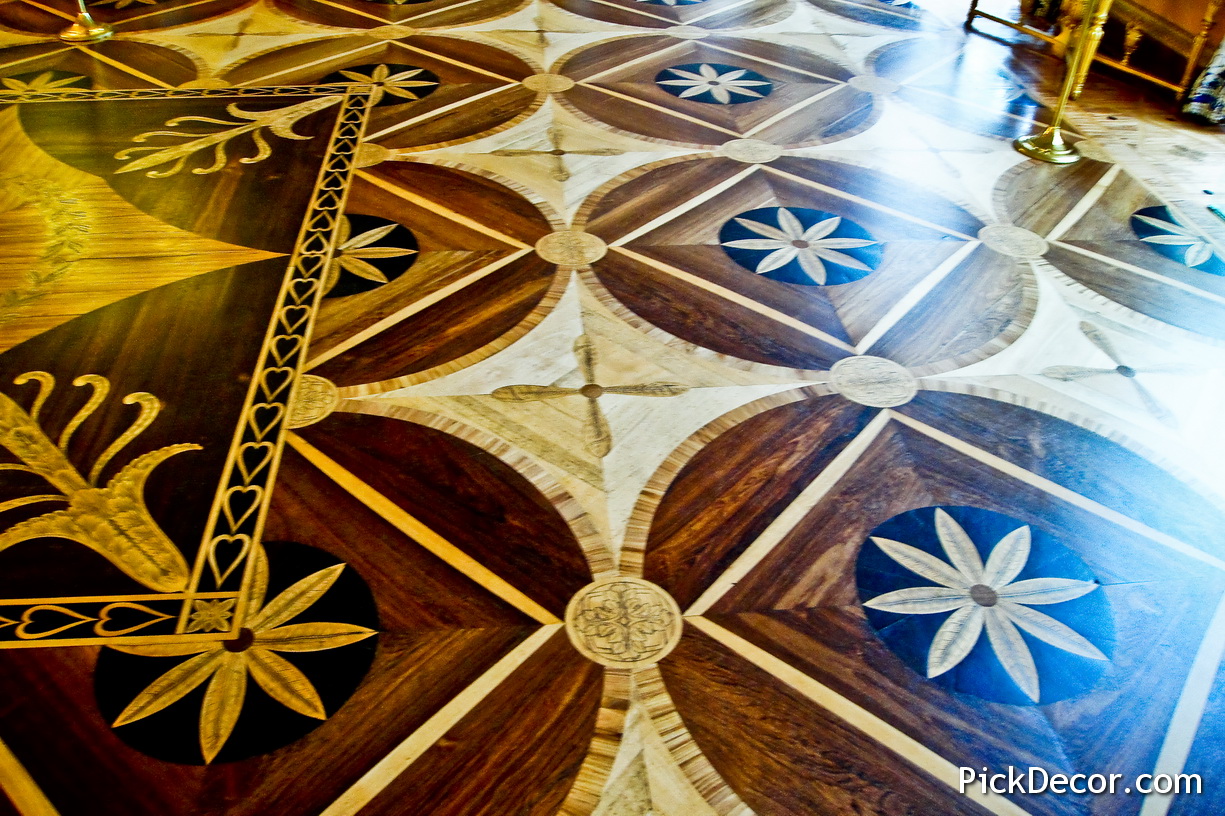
{"type": "Point", "coordinates": [597, 408]}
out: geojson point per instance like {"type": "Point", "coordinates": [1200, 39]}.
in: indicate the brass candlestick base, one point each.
{"type": "Point", "coordinates": [86, 30]}
{"type": "Point", "coordinates": [1048, 146]}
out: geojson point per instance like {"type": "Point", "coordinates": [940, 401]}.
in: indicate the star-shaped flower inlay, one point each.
{"type": "Point", "coordinates": [226, 665]}
{"type": "Point", "coordinates": [807, 247]}
{"type": "Point", "coordinates": [1097, 337]}
{"type": "Point", "coordinates": [46, 81]}
{"type": "Point", "coordinates": [211, 616]}
{"type": "Point", "coordinates": [390, 84]}
{"type": "Point", "coordinates": [354, 253]}
{"type": "Point", "coordinates": [984, 596]}
{"type": "Point", "coordinates": [714, 83]}
{"type": "Point", "coordinates": [1161, 230]}
{"type": "Point", "coordinates": [598, 435]}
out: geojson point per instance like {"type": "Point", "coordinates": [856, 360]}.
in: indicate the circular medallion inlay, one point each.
{"type": "Point", "coordinates": [623, 622]}
{"type": "Point", "coordinates": [548, 83]}
{"type": "Point", "coordinates": [750, 151]}
{"type": "Point", "coordinates": [873, 381]}
{"type": "Point", "coordinates": [314, 400]}
{"type": "Point", "coordinates": [873, 84]}
{"type": "Point", "coordinates": [1015, 242]}
{"type": "Point", "coordinates": [982, 603]}
{"type": "Point", "coordinates": [571, 248]}
{"type": "Point", "coordinates": [206, 82]}
{"type": "Point", "coordinates": [1093, 150]}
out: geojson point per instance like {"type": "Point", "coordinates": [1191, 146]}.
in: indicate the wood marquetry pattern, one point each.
{"type": "Point", "coordinates": [597, 408]}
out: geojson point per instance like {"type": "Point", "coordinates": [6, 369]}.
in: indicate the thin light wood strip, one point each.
{"type": "Point", "coordinates": [913, 296]}
{"type": "Point", "coordinates": [1180, 735]}
{"type": "Point", "coordinates": [416, 307]}
{"type": "Point", "coordinates": [343, 55]}
{"type": "Point", "coordinates": [1141, 271]}
{"type": "Point", "coordinates": [867, 202]}
{"type": "Point", "coordinates": [395, 515]}
{"type": "Point", "coordinates": [22, 791]}
{"type": "Point", "coordinates": [127, 69]}
{"type": "Point", "coordinates": [770, 537]}
{"type": "Point", "coordinates": [787, 113]}
{"type": "Point", "coordinates": [685, 206]}
{"type": "Point", "coordinates": [902, 744]}
{"type": "Point", "coordinates": [436, 727]}
{"type": "Point", "coordinates": [51, 10]}
{"type": "Point", "coordinates": [585, 793]}
{"type": "Point", "coordinates": [437, 112]}
{"type": "Point", "coordinates": [434, 206]}
{"type": "Point", "coordinates": [1065, 494]}
{"type": "Point", "coordinates": [661, 109]}
{"type": "Point", "coordinates": [1086, 203]}
{"type": "Point", "coordinates": [739, 299]}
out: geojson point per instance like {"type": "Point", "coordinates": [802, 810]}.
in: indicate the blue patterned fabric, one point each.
{"type": "Point", "coordinates": [1207, 97]}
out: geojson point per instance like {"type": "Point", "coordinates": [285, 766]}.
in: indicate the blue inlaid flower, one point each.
{"type": "Point", "coordinates": [966, 573]}
{"type": "Point", "coordinates": [799, 245]}
{"type": "Point", "coordinates": [714, 83]}
{"type": "Point", "coordinates": [1166, 235]}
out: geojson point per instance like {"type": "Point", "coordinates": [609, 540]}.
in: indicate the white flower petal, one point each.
{"type": "Point", "coordinates": [840, 258]}
{"type": "Point", "coordinates": [1046, 628]}
{"type": "Point", "coordinates": [776, 260]}
{"type": "Point", "coordinates": [1010, 649]}
{"type": "Point", "coordinates": [959, 548]}
{"type": "Point", "coordinates": [920, 600]}
{"type": "Point", "coordinates": [757, 244]}
{"type": "Point", "coordinates": [789, 224]}
{"type": "Point", "coordinates": [696, 90]}
{"type": "Point", "coordinates": [749, 92]}
{"type": "Point", "coordinates": [842, 243]}
{"type": "Point", "coordinates": [1164, 226]}
{"type": "Point", "coordinates": [1197, 254]}
{"type": "Point", "coordinates": [1172, 240]}
{"type": "Point", "coordinates": [812, 266]}
{"type": "Point", "coordinates": [921, 563]}
{"type": "Point", "coordinates": [821, 229]}
{"type": "Point", "coordinates": [690, 75]}
{"type": "Point", "coordinates": [1046, 590]}
{"type": "Point", "coordinates": [764, 229]}
{"type": "Point", "coordinates": [732, 75]}
{"type": "Point", "coordinates": [720, 94]}
{"type": "Point", "coordinates": [954, 639]}
{"type": "Point", "coordinates": [708, 71]}
{"type": "Point", "coordinates": [1007, 558]}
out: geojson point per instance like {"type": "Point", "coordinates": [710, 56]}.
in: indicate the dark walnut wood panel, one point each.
{"type": "Point", "coordinates": [414, 590]}
{"type": "Point", "coordinates": [760, 735]}
{"type": "Point", "coordinates": [414, 674]}
{"type": "Point", "coordinates": [696, 314]}
{"type": "Point", "coordinates": [446, 331]}
{"type": "Point", "coordinates": [517, 752]}
{"type": "Point", "coordinates": [730, 492]}
{"type": "Point", "coordinates": [467, 496]}
{"type": "Point", "coordinates": [1080, 460]}
{"type": "Point", "coordinates": [226, 205]}
{"type": "Point", "coordinates": [1038, 196]}
{"type": "Point", "coordinates": [113, 64]}
{"type": "Point", "coordinates": [217, 321]}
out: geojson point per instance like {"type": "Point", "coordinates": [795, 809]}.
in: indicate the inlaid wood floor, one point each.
{"type": "Point", "coordinates": [599, 408]}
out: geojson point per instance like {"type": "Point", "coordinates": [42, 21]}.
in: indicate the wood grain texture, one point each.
{"type": "Point", "coordinates": [470, 498]}
{"type": "Point", "coordinates": [517, 752]}
{"type": "Point", "coordinates": [756, 731]}
{"type": "Point", "coordinates": [711, 513]}
{"type": "Point", "coordinates": [218, 320]}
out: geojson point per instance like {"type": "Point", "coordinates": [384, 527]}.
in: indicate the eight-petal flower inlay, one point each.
{"type": "Point", "coordinates": [390, 84]}
{"type": "Point", "coordinates": [226, 665]}
{"type": "Point", "coordinates": [984, 597]}
{"type": "Point", "coordinates": [714, 83]}
{"type": "Point", "coordinates": [807, 246]}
